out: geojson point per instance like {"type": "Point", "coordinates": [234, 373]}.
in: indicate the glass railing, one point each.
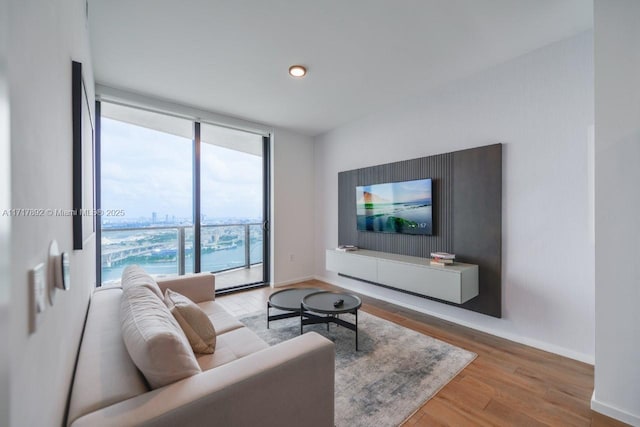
{"type": "Point", "coordinates": [168, 250]}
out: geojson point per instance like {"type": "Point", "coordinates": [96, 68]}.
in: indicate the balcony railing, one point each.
{"type": "Point", "coordinates": [169, 249]}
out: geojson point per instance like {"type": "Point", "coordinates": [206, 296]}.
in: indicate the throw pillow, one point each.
{"type": "Point", "coordinates": [153, 338]}
{"type": "Point", "coordinates": [134, 275]}
{"type": "Point", "coordinates": [194, 322]}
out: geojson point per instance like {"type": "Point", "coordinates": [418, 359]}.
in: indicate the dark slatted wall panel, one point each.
{"type": "Point", "coordinates": [477, 207]}
{"type": "Point", "coordinates": [439, 168]}
{"type": "Point", "coordinates": [467, 219]}
{"type": "Point", "coordinates": [347, 234]}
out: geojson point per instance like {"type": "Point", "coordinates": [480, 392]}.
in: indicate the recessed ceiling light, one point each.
{"type": "Point", "coordinates": [297, 71]}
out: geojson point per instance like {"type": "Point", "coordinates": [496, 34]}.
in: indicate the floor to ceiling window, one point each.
{"type": "Point", "coordinates": [155, 201]}
{"type": "Point", "coordinates": [231, 204]}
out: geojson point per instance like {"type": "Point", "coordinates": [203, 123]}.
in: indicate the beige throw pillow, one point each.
{"type": "Point", "coordinates": [153, 338]}
{"type": "Point", "coordinates": [135, 275]}
{"type": "Point", "coordinates": [194, 322]}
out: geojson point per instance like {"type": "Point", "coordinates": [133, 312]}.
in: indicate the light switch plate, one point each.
{"type": "Point", "coordinates": [37, 295]}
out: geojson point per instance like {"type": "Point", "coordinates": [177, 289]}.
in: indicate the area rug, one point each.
{"type": "Point", "coordinates": [394, 372]}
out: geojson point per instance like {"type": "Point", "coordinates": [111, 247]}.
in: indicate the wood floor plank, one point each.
{"type": "Point", "coordinates": [443, 412]}
{"type": "Point", "coordinates": [574, 385]}
{"type": "Point", "coordinates": [505, 415]}
{"type": "Point", "coordinates": [459, 394]}
{"type": "Point", "coordinates": [573, 403]}
{"type": "Point", "coordinates": [599, 420]}
{"type": "Point", "coordinates": [508, 384]}
{"type": "Point", "coordinates": [426, 420]}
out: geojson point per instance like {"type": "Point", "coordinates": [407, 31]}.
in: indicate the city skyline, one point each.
{"type": "Point", "coordinates": [170, 219]}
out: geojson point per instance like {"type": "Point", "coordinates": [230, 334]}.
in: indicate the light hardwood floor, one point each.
{"type": "Point", "coordinates": [508, 384]}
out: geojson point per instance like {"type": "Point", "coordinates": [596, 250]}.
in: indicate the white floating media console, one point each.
{"type": "Point", "coordinates": [456, 283]}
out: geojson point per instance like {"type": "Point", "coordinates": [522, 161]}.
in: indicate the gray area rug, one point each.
{"type": "Point", "coordinates": [394, 372]}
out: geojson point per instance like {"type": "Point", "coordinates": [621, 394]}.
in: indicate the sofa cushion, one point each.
{"type": "Point", "coordinates": [194, 322]}
{"type": "Point", "coordinates": [154, 339]}
{"type": "Point", "coordinates": [231, 346]}
{"type": "Point", "coordinates": [105, 374]}
{"type": "Point", "coordinates": [134, 275]}
{"type": "Point", "coordinates": [221, 319]}
{"type": "Point", "coordinates": [198, 287]}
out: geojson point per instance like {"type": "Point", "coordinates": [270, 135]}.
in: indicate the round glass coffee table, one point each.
{"type": "Point", "coordinates": [328, 306]}
{"type": "Point", "coordinates": [287, 300]}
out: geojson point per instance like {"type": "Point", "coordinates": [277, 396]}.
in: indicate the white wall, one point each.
{"type": "Point", "coordinates": [540, 106]}
{"type": "Point", "coordinates": [45, 36]}
{"type": "Point", "coordinates": [617, 119]}
{"type": "Point", "coordinates": [5, 222]}
{"type": "Point", "coordinates": [293, 208]}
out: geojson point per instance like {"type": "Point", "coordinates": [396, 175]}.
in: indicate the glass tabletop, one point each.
{"type": "Point", "coordinates": [323, 302]}
{"type": "Point", "coordinates": [289, 299]}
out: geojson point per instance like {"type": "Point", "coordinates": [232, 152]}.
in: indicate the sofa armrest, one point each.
{"type": "Point", "coordinates": [288, 384]}
{"type": "Point", "coordinates": [198, 287]}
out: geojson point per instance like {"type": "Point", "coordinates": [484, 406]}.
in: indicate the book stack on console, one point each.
{"type": "Point", "coordinates": [346, 248]}
{"type": "Point", "coordinates": [442, 259]}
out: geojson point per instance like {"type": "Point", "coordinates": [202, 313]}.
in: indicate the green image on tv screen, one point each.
{"type": "Point", "coordinates": [395, 207]}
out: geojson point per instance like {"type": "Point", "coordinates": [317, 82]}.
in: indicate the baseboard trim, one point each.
{"type": "Point", "coordinates": [613, 412]}
{"type": "Point", "coordinates": [551, 348]}
{"type": "Point", "coordinates": [292, 281]}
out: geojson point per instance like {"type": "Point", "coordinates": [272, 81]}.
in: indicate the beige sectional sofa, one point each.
{"type": "Point", "coordinates": [243, 383]}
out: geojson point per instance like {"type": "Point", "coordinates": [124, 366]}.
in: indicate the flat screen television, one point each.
{"type": "Point", "coordinates": [395, 207]}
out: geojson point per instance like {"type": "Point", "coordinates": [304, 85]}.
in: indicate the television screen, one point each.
{"type": "Point", "coordinates": [395, 207]}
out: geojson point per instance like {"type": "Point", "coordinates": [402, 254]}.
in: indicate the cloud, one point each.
{"type": "Point", "coordinates": [145, 171]}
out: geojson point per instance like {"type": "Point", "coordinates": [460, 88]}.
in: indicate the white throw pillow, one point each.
{"type": "Point", "coordinates": [135, 275]}
{"type": "Point", "coordinates": [153, 338]}
{"type": "Point", "coordinates": [194, 322]}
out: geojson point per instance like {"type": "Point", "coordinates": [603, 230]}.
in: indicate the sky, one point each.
{"type": "Point", "coordinates": [145, 171]}
{"type": "Point", "coordinates": [398, 192]}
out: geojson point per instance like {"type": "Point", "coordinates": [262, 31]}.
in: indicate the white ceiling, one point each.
{"type": "Point", "coordinates": [232, 56]}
